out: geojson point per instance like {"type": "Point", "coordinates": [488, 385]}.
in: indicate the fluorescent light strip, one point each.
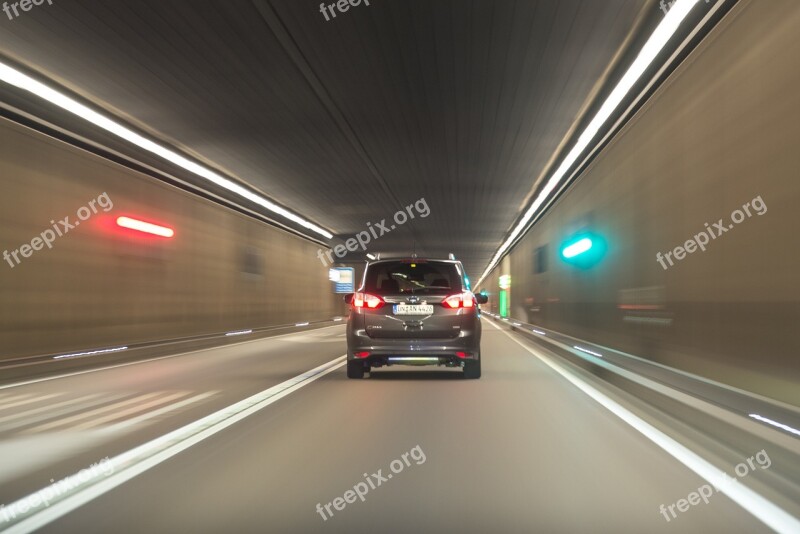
{"type": "Point", "coordinates": [16, 78]}
{"type": "Point", "coordinates": [587, 351]}
{"type": "Point", "coordinates": [760, 507]}
{"type": "Point", "coordinates": [371, 257]}
{"type": "Point", "coordinates": [654, 45]}
{"type": "Point", "coordinates": [301, 324]}
{"type": "Point", "coordinates": [148, 228]}
{"type": "Point", "coordinates": [89, 353]}
{"type": "Point", "coordinates": [239, 333]}
{"type": "Point", "coordinates": [539, 332]}
{"type": "Point", "coordinates": [776, 424]}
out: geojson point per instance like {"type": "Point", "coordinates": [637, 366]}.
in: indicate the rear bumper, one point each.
{"type": "Point", "coordinates": [382, 351]}
{"type": "Point", "coordinates": [445, 359]}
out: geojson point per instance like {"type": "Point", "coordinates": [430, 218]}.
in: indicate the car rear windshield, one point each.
{"type": "Point", "coordinates": [422, 277]}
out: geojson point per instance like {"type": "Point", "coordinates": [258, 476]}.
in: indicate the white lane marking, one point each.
{"type": "Point", "coordinates": [29, 401]}
{"type": "Point", "coordinates": [47, 408]}
{"type": "Point", "coordinates": [761, 508]}
{"type": "Point", "coordinates": [88, 415]}
{"type": "Point", "coordinates": [156, 413]}
{"type": "Point", "coordinates": [114, 416]}
{"type": "Point", "coordinates": [144, 457]}
{"type": "Point", "coordinates": [138, 362]}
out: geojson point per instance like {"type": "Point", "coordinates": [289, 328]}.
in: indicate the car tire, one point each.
{"type": "Point", "coordinates": [355, 369]}
{"type": "Point", "coordinates": [472, 368]}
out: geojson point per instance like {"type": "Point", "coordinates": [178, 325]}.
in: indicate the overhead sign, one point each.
{"type": "Point", "coordinates": [343, 279]}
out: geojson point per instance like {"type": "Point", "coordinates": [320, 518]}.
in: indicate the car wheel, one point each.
{"type": "Point", "coordinates": [472, 368]}
{"type": "Point", "coordinates": [355, 369]}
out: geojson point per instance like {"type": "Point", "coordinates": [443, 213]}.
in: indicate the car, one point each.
{"type": "Point", "coordinates": [414, 311]}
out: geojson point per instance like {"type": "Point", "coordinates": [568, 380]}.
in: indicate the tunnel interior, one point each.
{"type": "Point", "coordinates": [210, 179]}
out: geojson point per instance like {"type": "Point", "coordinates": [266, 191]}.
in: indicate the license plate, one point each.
{"type": "Point", "coordinates": [413, 309]}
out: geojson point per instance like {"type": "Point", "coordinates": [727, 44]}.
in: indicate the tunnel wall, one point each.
{"type": "Point", "coordinates": [722, 131]}
{"type": "Point", "coordinates": [100, 285]}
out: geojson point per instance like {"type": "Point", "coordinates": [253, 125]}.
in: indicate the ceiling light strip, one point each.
{"type": "Point", "coordinates": [16, 78]}
{"type": "Point", "coordinates": [654, 45]}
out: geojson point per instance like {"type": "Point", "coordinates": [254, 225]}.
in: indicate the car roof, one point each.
{"type": "Point", "coordinates": [405, 258]}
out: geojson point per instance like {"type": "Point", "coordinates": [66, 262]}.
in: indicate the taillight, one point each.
{"type": "Point", "coordinates": [365, 300]}
{"type": "Point", "coordinates": [459, 300]}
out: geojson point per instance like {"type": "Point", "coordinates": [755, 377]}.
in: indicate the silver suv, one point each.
{"type": "Point", "coordinates": [414, 312]}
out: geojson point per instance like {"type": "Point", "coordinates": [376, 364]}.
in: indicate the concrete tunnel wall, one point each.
{"type": "Point", "coordinates": [722, 131]}
{"type": "Point", "coordinates": [101, 286]}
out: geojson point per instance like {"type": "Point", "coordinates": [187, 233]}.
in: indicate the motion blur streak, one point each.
{"type": "Point", "coordinates": [138, 460]}
{"type": "Point", "coordinates": [776, 424]}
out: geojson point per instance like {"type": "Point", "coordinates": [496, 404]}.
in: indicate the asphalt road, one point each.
{"type": "Point", "coordinates": [520, 450]}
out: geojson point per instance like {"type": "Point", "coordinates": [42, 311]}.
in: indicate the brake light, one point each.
{"type": "Point", "coordinates": [365, 300]}
{"type": "Point", "coordinates": [459, 300]}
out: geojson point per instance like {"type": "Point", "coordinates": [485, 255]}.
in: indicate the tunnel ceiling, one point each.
{"type": "Point", "coordinates": [459, 102]}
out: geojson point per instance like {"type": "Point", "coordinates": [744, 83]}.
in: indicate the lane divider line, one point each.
{"type": "Point", "coordinates": [144, 457]}
{"type": "Point", "coordinates": [761, 508]}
